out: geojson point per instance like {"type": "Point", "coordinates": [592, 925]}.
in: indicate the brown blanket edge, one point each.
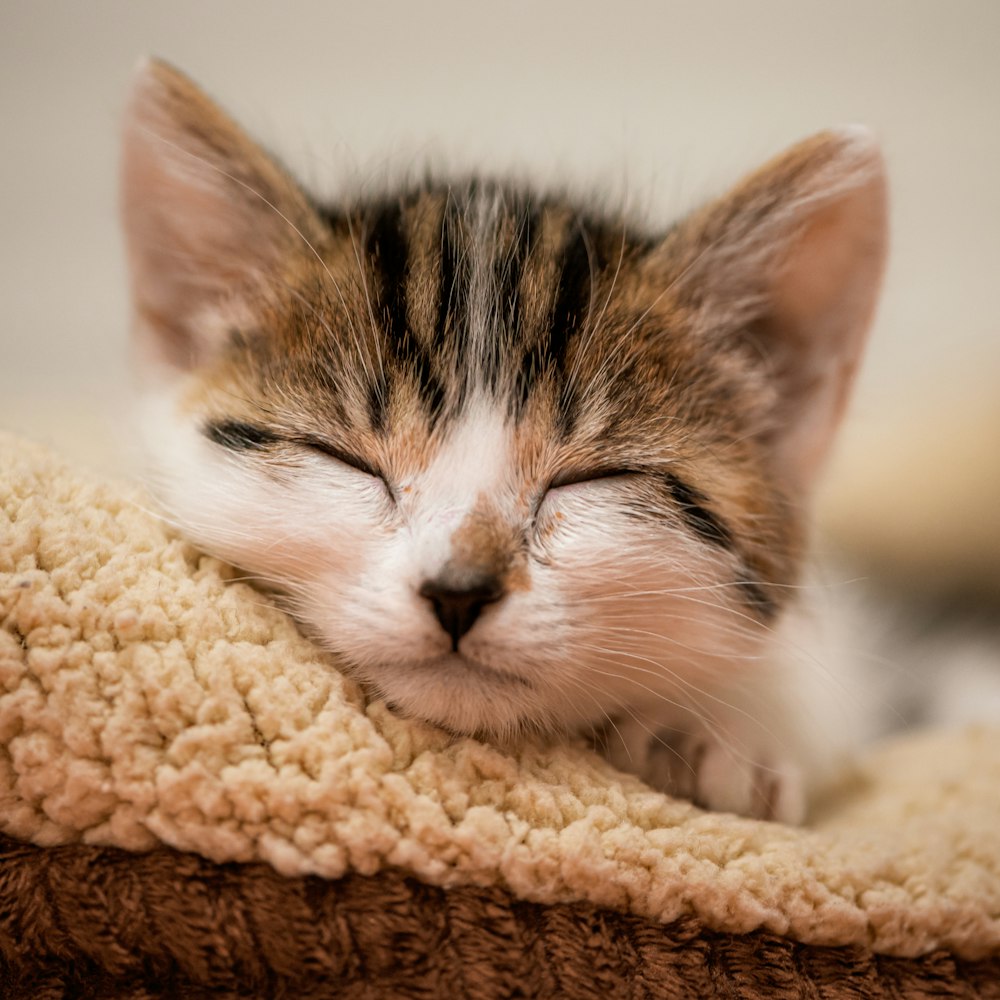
{"type": "Point", "coordinates": [97, 922]}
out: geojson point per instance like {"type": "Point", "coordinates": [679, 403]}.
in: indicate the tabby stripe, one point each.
{"type": "Point", "coordinates": [702, 521]}
{"type": "Point", "coordinates": [511, 270]}
{"type": "Point", "coordinates": [335, 219]}
{"type": "Point", "coordinates": [757, 598]}
{"type": "Point", "coordinates": [377, 398]}
{"type": "Point", "coordinates": [388, 247]}
{"type": "Point", "coordinates": [450, 301]}
{"type": "Point", "coordinates": [573, 295]}
{"type": "Point", "coordinates": [532, 362]}
{"type": "Point", "coordinates": [572, 306]}
{"type": "Point", "coordinates": [712, 529]}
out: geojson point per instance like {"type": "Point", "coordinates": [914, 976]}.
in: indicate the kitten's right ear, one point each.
{"type": "Point", "coordinates": [787, 267]}
{"type": "Point", "coordinates": [206, 212]}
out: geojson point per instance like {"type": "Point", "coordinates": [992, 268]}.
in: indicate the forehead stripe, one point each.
{"type": "Point", "coordinates": [574, 299]}
{"type": "Point", "coordinates": [451, 301]}
{"type": "Point", "coordinates": [388, 249]}
{"type": "Point", "coordinates": [573, 296]}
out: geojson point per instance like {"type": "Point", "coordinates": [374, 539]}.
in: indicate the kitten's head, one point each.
{"type": "Point", "coordinates": [516, 463]}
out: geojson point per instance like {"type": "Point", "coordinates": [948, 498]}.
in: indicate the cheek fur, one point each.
{"type": "Point", "coordinates": [291, 525]}
{"type": "Point", "coordinates": [646, 613]}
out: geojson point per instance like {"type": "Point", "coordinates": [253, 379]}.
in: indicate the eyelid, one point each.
{"type": "Point", "coordinates": [237, 435]}
{"type": "Point", "coordinates": [572, 477]}
{"type": "Point", "coordinates": [344, 457]}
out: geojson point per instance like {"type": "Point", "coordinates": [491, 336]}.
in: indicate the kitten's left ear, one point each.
{"type": "Point", "coordinates": [789, 264]}
{"type": "Point", "coordinates": [206, 212]}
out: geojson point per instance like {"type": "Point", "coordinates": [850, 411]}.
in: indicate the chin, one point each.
{"type": "Point", "coordinates": [463, 695]}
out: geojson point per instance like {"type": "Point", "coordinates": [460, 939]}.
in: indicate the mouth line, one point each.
{"type": "Point", "coordinates": [452, 663]}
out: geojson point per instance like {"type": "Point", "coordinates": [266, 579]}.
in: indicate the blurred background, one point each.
{"type": "Point", "coordinates": [659, 103]}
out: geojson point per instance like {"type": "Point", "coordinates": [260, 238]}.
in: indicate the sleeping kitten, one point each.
{"type": "Point", "coordinates": [522, 467]}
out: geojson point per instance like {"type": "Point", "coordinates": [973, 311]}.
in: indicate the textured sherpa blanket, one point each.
{"type": "Point", "coordinates": [150, 700]}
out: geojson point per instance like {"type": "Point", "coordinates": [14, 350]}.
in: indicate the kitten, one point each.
{"type": "Point", "coordinates": [522, 467]}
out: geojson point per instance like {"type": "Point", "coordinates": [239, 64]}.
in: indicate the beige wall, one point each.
{"type": "Point", "coordinates": [667, 101]}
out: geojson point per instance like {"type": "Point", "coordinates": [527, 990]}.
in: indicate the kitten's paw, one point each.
{"type": "Point", "coordinates": [718, 777]}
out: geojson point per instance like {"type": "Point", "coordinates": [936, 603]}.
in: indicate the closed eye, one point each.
{"type": "Point", "coordinates": [344, 457]}
{"type": "Point", "coordinates": [236, 435]}
{"type": "Point", "coordinates": [574, 477]}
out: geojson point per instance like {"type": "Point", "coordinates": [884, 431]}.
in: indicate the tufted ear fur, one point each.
{"type": "Point", "coordinates": [788, 266]}
{"type": "Point", "coordinates": [206, 214]}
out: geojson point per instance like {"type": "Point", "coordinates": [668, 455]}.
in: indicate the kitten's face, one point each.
{"type": "Point", "coordinates": [517, 466]}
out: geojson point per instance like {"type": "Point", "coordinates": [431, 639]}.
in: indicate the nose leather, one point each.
{"type": "Point", "coordinates": [457, 608]}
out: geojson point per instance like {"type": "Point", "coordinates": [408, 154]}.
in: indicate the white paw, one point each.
{"type": "Point", "coordinates": [725, 778]}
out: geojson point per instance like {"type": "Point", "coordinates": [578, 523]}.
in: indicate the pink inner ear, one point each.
{"type": "Point", "coordinates": [822, 300]}
{"type": "Point", "coordinates": [185, 242]}
{"type": "Point", "coordinates": [204, 211]}
{"type": "Point", "coordinates": [825, 286]}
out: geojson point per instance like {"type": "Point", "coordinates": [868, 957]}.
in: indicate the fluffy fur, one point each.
{"type": "Point", "coordinates": [519, 465]}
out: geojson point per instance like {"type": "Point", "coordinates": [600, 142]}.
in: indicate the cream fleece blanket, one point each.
{"type": "Point", "coordinates": [146, 697]}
